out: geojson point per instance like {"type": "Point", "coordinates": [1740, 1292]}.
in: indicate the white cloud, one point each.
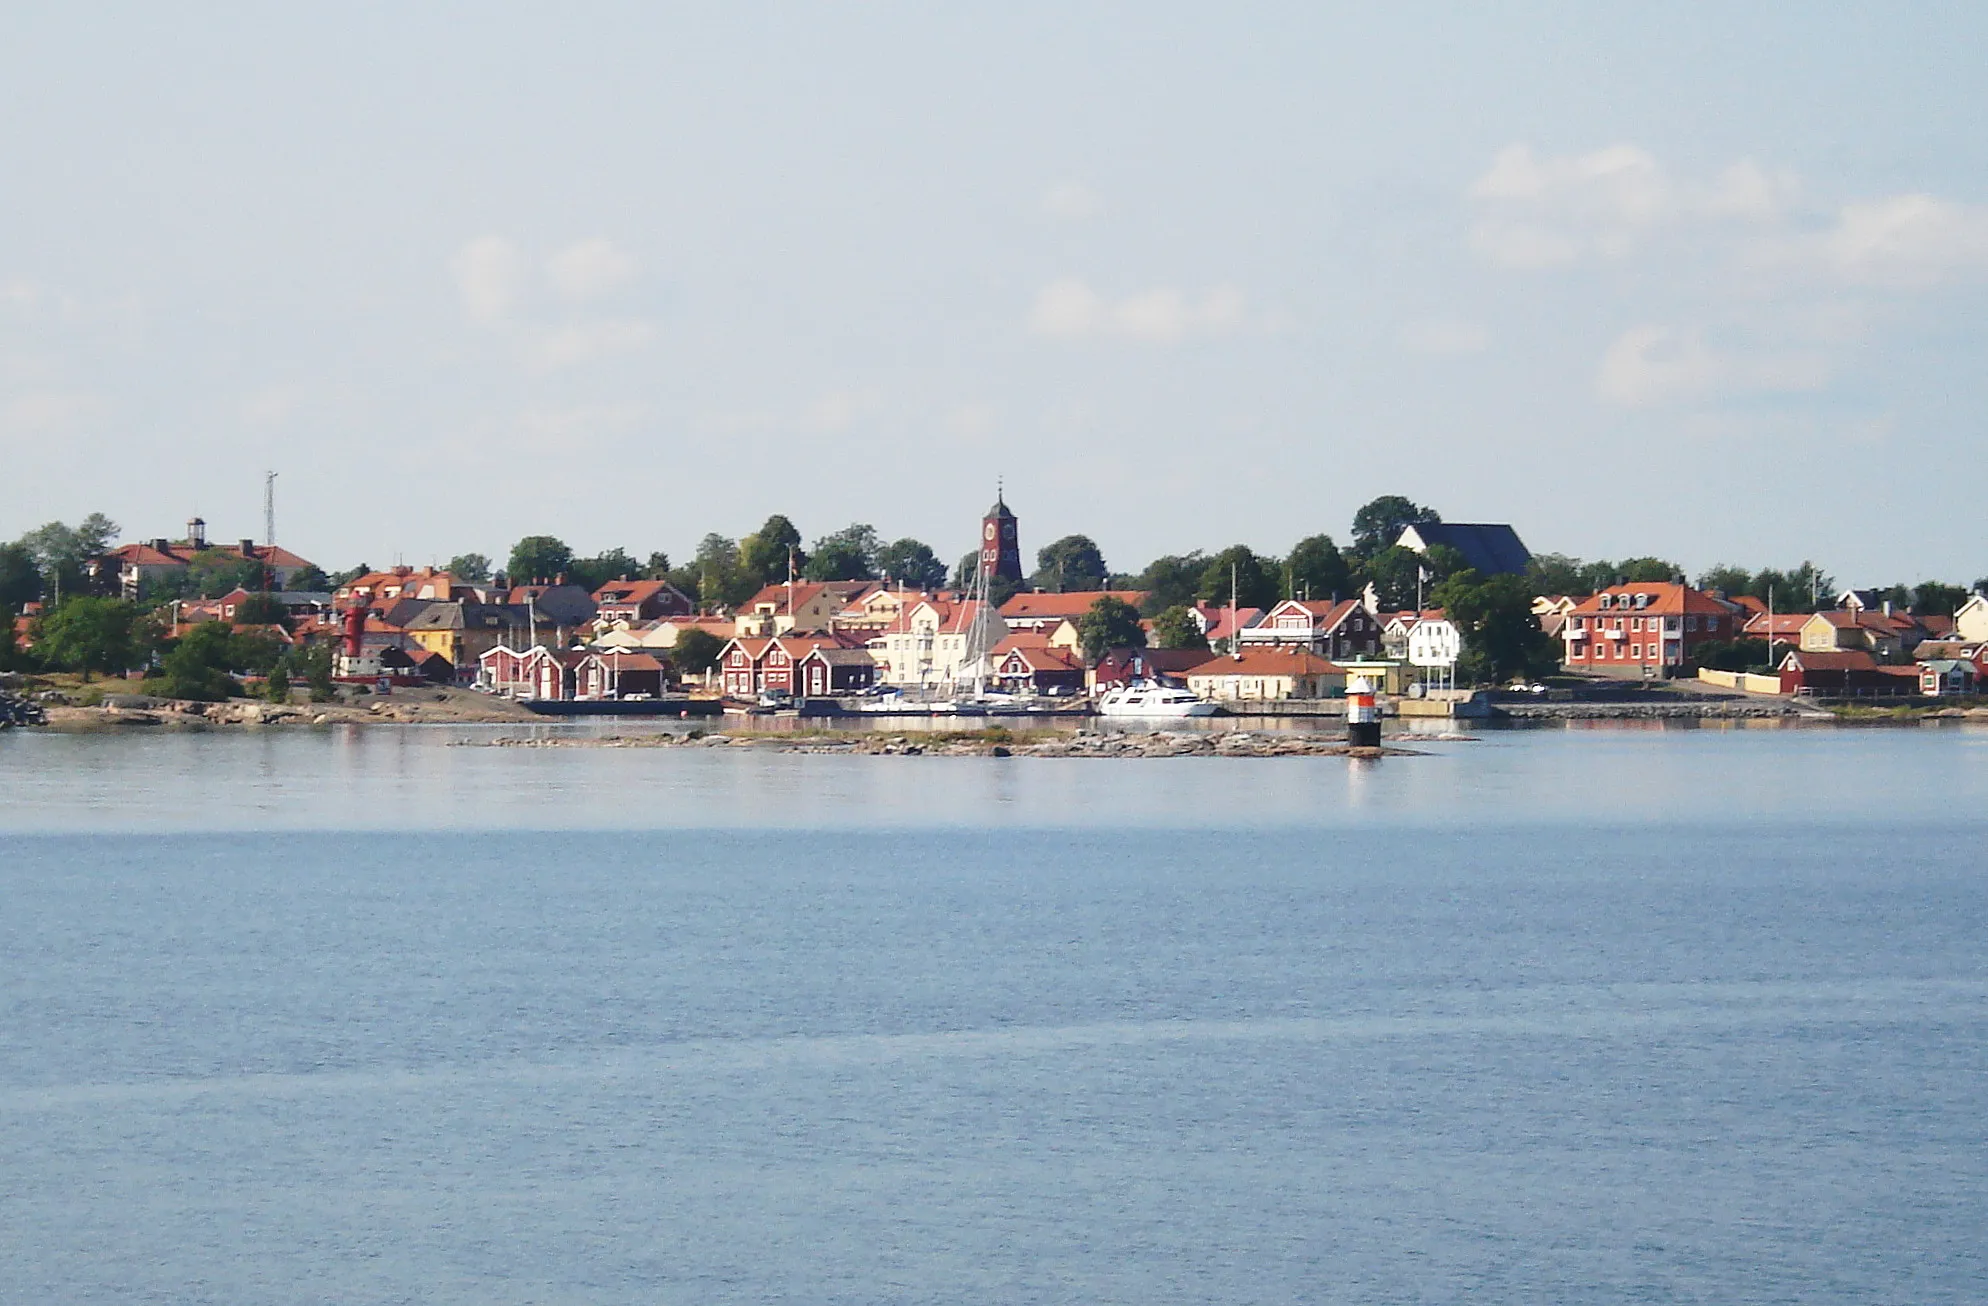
{"type": "Point", "coordinates": [1908, 242]}
{"type": "Point", "coordinates": [584, 342]}
{"type": "Point", "coordinates": [1648, 366]}
{"type": "Point", "coordinates": [1445, 337]}
{"type": "Point", "coordinates": [589, 269]}
{"type": "Point", "coordinates": [1067, 308]}
{"type": "Point", "coordinates": [1537, 212]}
{"type": "Point", "coordinates": [490, 276]}
{"type": "Point", "coordinates": [1163, 315]}
{"type": "Point", "coordinates": [1071, 201]}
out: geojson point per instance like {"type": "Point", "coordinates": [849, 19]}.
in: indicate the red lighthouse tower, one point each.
{"type": "Point", "coordinates": [1000, 546]}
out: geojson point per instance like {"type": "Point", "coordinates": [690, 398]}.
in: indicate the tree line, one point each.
{"type": "Point", "coordinates": [52, 564]}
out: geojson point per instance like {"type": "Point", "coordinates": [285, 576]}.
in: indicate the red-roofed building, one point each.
{"type": "Point", "coordinates": [154, 559]}
{"type": "Point", "coordinates": [1848, 673]}
{"type": "Point", "coordinates": [1166, 665]}
{"type": "Point", "coordinates": [803, 605]}
{"type": "Point", "coordinates": [1040, 611]}
{"type": "Point", "coordinates": [1645, 628]}
{"type": "Point", "coordinates": [1039, 668]}
{"type": "Point", "coordinates": [623, 603]}
{"type": "Point", "coordinates": [1266, 672]}
{"type": "Point", "coordinates": [618, 674]}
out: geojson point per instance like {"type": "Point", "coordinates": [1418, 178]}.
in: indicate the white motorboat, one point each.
{"type": "Point", "coordinates": [1144, 698]}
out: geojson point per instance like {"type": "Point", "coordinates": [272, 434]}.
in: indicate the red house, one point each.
{"type": "Point", "coordinates": [632, 602]}
{"type": "Point", "coordinates": [826, 670]}
{"type": "Point", "coordinates": [1040, 669]}
{"type": "Point", "coordinates": [1645, 629]}
{"type": "Point", "coordinates": [619, 674]}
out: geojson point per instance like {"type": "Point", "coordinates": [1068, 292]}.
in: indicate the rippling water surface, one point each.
{"type": "Point", "coordinates": [1608, 1015]}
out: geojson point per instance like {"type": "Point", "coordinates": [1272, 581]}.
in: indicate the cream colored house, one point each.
{"type": "Point", "coordinates": [1970, 620]}
{"type": "Point", "coordinates": [927, 646]}
{"type": "Point", "coordinates": [1267, 673]}
{"type": "Point", "coordinates": [803, 605]}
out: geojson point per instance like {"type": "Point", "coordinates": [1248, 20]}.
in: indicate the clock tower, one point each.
{"type": "Point", "coordinates": [1000, 547]}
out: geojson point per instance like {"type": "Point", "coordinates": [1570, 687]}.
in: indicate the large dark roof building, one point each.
{"type": "Point", "coordinates": [1489, 549]}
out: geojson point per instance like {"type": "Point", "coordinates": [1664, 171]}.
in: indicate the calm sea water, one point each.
{"type": "Point", "coordinates": [1601, 1015]}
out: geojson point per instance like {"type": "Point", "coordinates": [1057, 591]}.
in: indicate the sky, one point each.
{"type": "Point", "coordinates": [1700, 281]}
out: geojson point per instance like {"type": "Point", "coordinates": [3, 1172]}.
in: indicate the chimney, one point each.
{"type": "Point", "coordinates": [196, 533]}
{"type": "Point", "coordinates": [248, 548]}
{"type": "Point", "coordinates": [1887, 607]}
{"type": "Point", "coordinates": [162, 544]}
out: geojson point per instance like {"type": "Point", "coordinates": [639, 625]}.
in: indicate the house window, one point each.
{"type": "Point", "coordinates": [1691, 623]}
{"type": "Point", "coordinates": [1636, 652]}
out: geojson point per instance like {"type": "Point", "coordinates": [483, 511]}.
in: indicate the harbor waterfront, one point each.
{"type": "Point", "coordinates": [1584, 1014]}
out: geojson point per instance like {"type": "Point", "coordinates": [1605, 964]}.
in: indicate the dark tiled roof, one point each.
{"type": "Point", "coordinates": [1492, 549]}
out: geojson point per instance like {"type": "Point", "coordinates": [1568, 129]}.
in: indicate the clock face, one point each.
{"type": "Point", "coordinates": [990, 530]}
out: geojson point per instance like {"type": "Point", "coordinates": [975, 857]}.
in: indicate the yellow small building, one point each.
{"type": "Point", "coordinates": [1257, 674]}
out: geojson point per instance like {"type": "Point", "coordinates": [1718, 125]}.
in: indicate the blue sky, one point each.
{"type": "Point", "coordinates": [1636, 279]}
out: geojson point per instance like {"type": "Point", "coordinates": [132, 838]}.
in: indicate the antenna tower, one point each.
{"type": "Point", "coordinates": [268, 528]}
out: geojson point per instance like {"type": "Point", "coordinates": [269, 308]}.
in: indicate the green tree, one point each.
{"type": "Point", "coordinates": [1394, 573]}
{"type": "Point", "coordinates": [12, 658]}
{"type": "Point", "coordinates": [1170, 582]}
{"type": "Point", "coordinates": [715, 575]}
{"type": "Point", "coordinates": [1238, 571]}
{"type": "Point", "coordinates": [20, 578]}
{"type": "Point", "coordinates": [1071, 565]}
{"type": "Point", "coordinates": [1728, 580]}
{"type": "Point", "coordinates": [1378, 525]}
{"type": "Point", "coordinates": [278, 687]}
{"type": "Point", "coordinates": [313, 664]}
{"type": "Point", "coordinates": [262, 610]}
{"type": "Point", "coordinates": [196, 665]}
{"type": "Point", "coordinates": [1317, 569]}
{"type": "Point", "coordinates": [351, 574]}
{"type": "Point", "coordinates": [963, 573]}
{"type": "Point", "coordinates": [537, 559]}
{"type": "Point", "coordinates": [848, 554]}
{"type": "Point", "coordinates": [470, 568]}
{"type": "Point", "coordinates": [1731, 655]}
{"type": "Point", "coordinates": [1109, 623]}
{"type": "Point", "coordinates": [764, 554]}
{"type": "Point", "coordinates": [1934, 598]}
{"type": "Point", "coordinates": [60, 551]}
{"type": "Point", "coordinates": [91, 636]}
{"type": "Point", "coordinates": [214, 572]}
{"type": "Point", "coordinates": [309, 580]}
{"type": "Point", "coordinates": [611, 564]}
{"type": "Point", "coordinates": [1558, 573]}
{"type": "Point", "coordinates": [1647, 571]}
{"type": "Point", "coordinates": [695, 652]}
{"type": "Point", "coordinates": [1177, 628]}
{"type": "Point", "coordinates": [657, 567]}
{"type": "Point", "coordinates": [1494, 616]}
{"type": "Point", "coordinates": [912, 562]}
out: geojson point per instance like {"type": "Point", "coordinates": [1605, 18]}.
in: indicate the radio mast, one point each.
{"type": "Point", "coordinates": [268, 529]}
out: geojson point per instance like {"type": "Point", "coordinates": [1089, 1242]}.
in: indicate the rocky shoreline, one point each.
{"type": "Point", "coordinates": [993, 743]}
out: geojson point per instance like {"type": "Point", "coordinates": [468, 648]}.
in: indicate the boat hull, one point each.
{"type": "Point", "coordinates": [1158, 711]}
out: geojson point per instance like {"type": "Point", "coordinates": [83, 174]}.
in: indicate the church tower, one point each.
{"type": "Point", "coordinates": [1000, 547]}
